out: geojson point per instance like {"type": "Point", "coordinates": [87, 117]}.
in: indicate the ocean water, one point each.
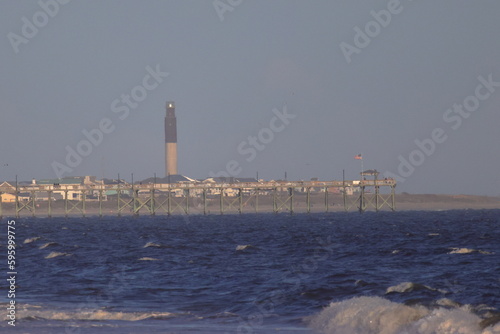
{"type": "Point", "coordinates": [348, 273]}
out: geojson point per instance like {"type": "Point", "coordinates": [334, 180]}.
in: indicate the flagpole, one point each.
{"type": "Point", "coordinates": [360, 157]}
{"type": "Point", "coordinates": [362, 169]}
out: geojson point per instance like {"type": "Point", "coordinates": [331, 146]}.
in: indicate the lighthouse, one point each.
{"type": "Point", "coordinates": [170, 140]}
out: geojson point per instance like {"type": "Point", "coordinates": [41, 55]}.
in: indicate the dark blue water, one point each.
{"type": "Point", "coordinates": [416, 272]}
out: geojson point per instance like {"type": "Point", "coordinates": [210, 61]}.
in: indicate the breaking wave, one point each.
{"type": "Point", "coordinates": [48, 244]}
{"type": "Point", "coordinates": [30, 240]}
{"type": "Point", "coordinates": [410, 286]}
{"type": "Point", "coordinates": [455, 250]}
{"type": "Point", "coordinates": [56, 254]}
{"type": "Point", "coordinates": [376, 315]}
{"type": "Point", "coordinates": [42, 313]}
{"type": "Point", "coordinates": [153, 244]}
{"type": "Point", "coordinates": [244, 247]}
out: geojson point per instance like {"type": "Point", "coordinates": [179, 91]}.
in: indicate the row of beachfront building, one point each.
{"type": "Point", "coordinates": [71, 187]}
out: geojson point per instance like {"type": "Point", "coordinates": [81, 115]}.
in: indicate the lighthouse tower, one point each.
{"type": "Point", "coordinates": [170, 140]}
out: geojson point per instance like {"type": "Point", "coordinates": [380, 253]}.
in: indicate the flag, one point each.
{"type": "Point", "coordinates": [358, 157]}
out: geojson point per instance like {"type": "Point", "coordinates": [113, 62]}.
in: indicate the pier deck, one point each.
{"type": "Point", "coordinates": [197, 198]}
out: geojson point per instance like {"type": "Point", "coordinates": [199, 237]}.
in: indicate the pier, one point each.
{"type": "Point", "coordinates": [198, 198]}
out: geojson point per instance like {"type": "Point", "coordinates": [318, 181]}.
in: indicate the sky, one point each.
{"type": "Point", "coordinates": [260, 86]}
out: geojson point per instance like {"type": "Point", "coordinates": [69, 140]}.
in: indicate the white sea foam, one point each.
{"type": "Point", "coordinates": [152, 244]}
{"type": "Point", "coordinates": [56, 254]}
{"type": "Point", "coordinates": [375, 315]}
{"type": "Point", "coordinates": [461, 251]}
{"type": "Point", "coordinates": [48, 244]}
{"type": "Point", "coordinates": [410, 286]}
{"type": "Point", "coordinates": [148, 259]}
{"type": "Point", "coordinates": [243, 247]}
{"type": "Point", "coordinates": [366, 315]}
{"type": "Point", "coordinates": [30, 240]}
{"type": "Point", "coordinates": [93, 315]}
{"type": "Point", "coordinates": [455, 250]}
{"type": "Point", "coordinates": [446, 302]}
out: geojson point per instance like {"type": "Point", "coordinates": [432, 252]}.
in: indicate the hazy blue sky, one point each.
{"type": "Point", "coordinates": [230, 64]}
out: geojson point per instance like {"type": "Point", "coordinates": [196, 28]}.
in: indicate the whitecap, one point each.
{"type": "Point", "coordinates": [93, 315]}
{"type": "Point", "coordinates": [486, 252]}
{"type": "Point", "coordinates": [56, 254]}
{"type": "Point", "coordinates": [446, 302]}
{"type": "Point", "coordinates": [375, 315]}
{"type": "Point", "coordinates": [493, 330]}
{"type": "Point", "coordinates": [456, 250]}
{"type": "Point", "coordinates": [366, 315]}
{"type": "Point", "coordinates": [407, 287]}
{"type": "Point", "coordinates": [148, 259]}
{"type": "Point", "coordinates": [243, 247]}
{"type": "Point", "coordinates": [48, 244]}
{"type": "Point", "coordinates": [410, 286]}
{"type": "Point", "coordinates": [443, 321]}
{"type": "Point", "coordinates": [30, 240]}
{"type": "Point", "coordinates": [492, 324]}
{"type": "Point", "coordinates": [461, 251]}
{"type": "Point", "coordinates": [152, 244]}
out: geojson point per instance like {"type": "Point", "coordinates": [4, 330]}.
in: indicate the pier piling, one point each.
{"type": "Point", "coordinates": [198, 198]}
